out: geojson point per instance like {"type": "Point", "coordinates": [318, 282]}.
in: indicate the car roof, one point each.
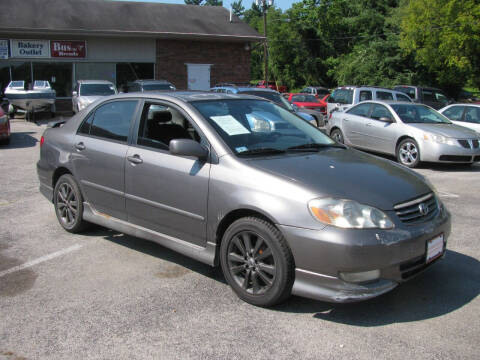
{"type": "Point", "coordinates": [94, 82]}
{"type": "Point", "coordinates": [150, 81]}
{"type": "Point", "coordinates": [185, 96]}
{"type": "Point", "coordinates": [420, 87]}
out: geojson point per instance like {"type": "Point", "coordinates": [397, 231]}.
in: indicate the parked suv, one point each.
{"type": "Point", "coordinates": [430, 96]}
{"type": "Point", "coordinates": [89, 91]}
{"type": "Point", "coordinates": [344, 97]}
{"type": "Point", "coordinates": [268, 94]}
{"type": "Point", "coordinates": [149, 85]}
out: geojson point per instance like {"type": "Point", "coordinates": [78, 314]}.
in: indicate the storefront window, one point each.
{"type": "Point", "coordinates": [95, 71]}
{"type": "Point", "coordinates": [58, 74]}
{"type": "Point", "coordinates": [127, 72]}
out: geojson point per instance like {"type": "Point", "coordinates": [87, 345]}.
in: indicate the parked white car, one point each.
{"type": "Point", "coordinates": [89, 91]}
{"type": "Point", "coordinates": [467, 115]}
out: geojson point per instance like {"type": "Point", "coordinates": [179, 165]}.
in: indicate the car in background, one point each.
{"type": "Point", "coordinates": [4, 127]}
{"type": "Point", "coordinates": [268, 94]}
{"type": "Point", "coordinates": [467, 115]}
{"type": "Point", "coordinates": [344, 97]}
{"type": "Point", "coordinates": [430, 96]}
{"type": "Point", "coordinates": [89, 91]}
{"type": "Point", "coordinates": [309, 104]}
{"type": "Point", "coordinates": [272, 85]}
{"type": "Point", "coordinates": [283, 211]}
{"type": "Point", "coordinates": [317, 91]}
{"type": "Point", "coordinates": [412, 132]}
{"type": "Point", "coordinates": [149, 85]}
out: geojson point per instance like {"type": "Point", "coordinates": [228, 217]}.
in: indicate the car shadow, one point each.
{"type": "Point", "coordinates": [20, 140]}
{"type": "Point", "coordinates": [445, 287]}
{"type": "Point", "coordinates": [156, 250]}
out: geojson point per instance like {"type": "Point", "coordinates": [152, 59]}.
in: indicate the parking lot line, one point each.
{"type": "Point", "coordinates": [40, 260]}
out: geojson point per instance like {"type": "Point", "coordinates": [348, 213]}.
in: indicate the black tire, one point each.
{"type": "Point", "coordinates": [264, 275]}
{"type": "Point", "coordinates": [69, 208]}
{"type": "Point", "coordinates": [337, 135]}
{"type": "Point", "coordinates": [408, 153]}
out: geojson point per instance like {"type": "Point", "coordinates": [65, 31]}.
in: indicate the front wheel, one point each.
{"type": "Point", "coordinates": [408, 153]}
{"type": "Point", "coordinates": [257, 262]}
{"type": "Point", "coordinates": [68, 203]}
{"type": "Point", "coordinates": [337, 135]}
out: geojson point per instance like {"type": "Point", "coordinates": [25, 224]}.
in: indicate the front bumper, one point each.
{"type": "Point", "coordinates": [399, 254]}
{"type": "Point", "coordinates": [434, 152]}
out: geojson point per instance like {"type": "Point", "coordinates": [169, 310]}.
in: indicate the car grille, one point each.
{"type": "Point", "coordinates": [469, 144]}
{"type": "Point", "coordinates": [417, 210]}
{"type": "Point", "coordinates": [414, 266]}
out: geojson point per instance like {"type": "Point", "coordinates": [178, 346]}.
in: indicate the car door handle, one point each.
{"type": "Point", "coordinates": [135, 159]}
{"type": "Point", "coordinates": [80, 146]}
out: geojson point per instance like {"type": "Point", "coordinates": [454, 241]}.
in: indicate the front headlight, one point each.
{"type": "Point", "coordinates": [348, 214]}
{"type": "Point", "coordinates": [438, 138]}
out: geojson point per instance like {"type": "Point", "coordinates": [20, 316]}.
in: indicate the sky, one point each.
{"type": "Point", "coordinates": [283, 4]}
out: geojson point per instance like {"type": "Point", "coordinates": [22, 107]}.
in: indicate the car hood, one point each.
{"type": "Point", "coordinates": [348, 174]}
{"type": "Point", "coordinates": [447, 130]}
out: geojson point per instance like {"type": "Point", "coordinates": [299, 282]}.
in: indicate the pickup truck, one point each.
{"type": "Point", "coordinates": [272, 85]}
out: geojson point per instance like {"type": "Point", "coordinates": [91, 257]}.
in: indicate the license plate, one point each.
{"type": "Point", "coordinates": [434, 248]}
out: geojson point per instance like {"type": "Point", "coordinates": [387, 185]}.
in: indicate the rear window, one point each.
{"type": "Point", "coordinates": [97, 89]}
{"type": "Point", "coordinates": [406, 90]}
{"type": "Point", "coordinates": [153, 87]}
{"type": "Point", "coordinates": [341, 96]}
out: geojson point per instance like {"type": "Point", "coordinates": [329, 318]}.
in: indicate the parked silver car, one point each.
{"type": "Point", "coordinates": [89, 91]}
{"type": "Point", "coordinates": [284, 210]}
{"type": "Point", "coordinates": [411, 132]}
{"type": "Point", "coordinates": [467, 115]}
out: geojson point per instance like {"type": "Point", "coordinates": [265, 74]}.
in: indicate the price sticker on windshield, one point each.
{"type": "Point", "coordinates": [230, 125]}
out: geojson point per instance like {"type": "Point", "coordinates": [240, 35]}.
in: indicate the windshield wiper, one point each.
{"type": "Point", "coordinates": [261, 151]}
{"type": "Point", "coordinates": [314, 146]}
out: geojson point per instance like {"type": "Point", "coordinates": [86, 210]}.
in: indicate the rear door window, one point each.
{"type": "Point", "coordinates": [112, 120]}
{"type": "Point", "coordinates": [341, 96]}
{"type": "Point", "coordinates": [384, 95]}
{"type": "Point", "coordinates": [380, 111]}
{"type": "Point", "coordinates": [360, 110]}
{"type": "Point", "coordinates": [472, 114]}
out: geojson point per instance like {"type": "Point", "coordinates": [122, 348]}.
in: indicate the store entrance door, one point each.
{"type": "Point", "coordinates": [198, 76]}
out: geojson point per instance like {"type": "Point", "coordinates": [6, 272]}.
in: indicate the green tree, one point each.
{"type": "Point", "coordinates": [444, 37]}
{"type": "Point", "coordinates": [213, 3]}
{"type": "Point", "coordinates": [238, 8]}
{"type": "Point", "coordinates": [193, 2]}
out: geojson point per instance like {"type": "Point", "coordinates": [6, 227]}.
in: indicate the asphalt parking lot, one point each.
{"type": "Point", "coordinates": [103, 295]}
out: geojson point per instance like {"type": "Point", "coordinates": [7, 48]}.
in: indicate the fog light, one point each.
{"type": "Point", "coordinates": [357, 277]}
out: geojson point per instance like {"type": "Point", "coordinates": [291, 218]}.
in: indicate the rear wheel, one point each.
{"type": "Point", "coordinates": [257, 262]}
{"type": "Point", "coordinates": [408, 153]}
{"type": "Point", "coordinates": [337, 135]}
{"type": "Point", "coordinates": [68, 203]}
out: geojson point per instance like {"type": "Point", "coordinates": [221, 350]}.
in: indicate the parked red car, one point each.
{"type": "Point", "coordinates": [4, 127]}
{"type": "Point", "coordinates": [272, 85]}
{"type": "Point", "coordinates": [307, 101]}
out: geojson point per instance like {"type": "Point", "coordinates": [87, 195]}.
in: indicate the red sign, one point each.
{"type": "Point", "coordinates": [68, 49]}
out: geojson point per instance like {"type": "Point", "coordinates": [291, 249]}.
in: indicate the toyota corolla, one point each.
{"type": "Point", "coordinates": [283, 210]}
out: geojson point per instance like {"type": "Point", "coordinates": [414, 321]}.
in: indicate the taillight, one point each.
{"type": "Point", "coordinates": [42, 140]}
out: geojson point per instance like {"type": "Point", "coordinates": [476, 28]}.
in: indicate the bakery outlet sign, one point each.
{"type": "Point", "coordinates": [48, 49]}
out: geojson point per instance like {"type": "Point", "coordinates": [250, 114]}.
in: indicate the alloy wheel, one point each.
{"type": "Point", "coordinates": [408, 153]}
{"type": "Point", "coordinates": [67, 204]}
{"type": "Point", "coordinates": [251, 263]}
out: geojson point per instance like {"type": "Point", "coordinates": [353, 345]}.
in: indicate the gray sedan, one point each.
{"type": "Point", "coordinates": [411, 132]}
{"type": "Point", "coordinates": [282, 210]}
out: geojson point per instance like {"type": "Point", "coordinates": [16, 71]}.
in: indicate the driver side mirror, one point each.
{"type": "Point", "coordinates": [187, 147]}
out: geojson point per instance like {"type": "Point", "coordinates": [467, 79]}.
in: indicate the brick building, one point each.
{"type": "Point", "coordinates": [62, 41]}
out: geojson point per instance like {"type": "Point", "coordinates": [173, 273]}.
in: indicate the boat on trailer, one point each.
{"type": "Point", "coordinates": [40, 98]}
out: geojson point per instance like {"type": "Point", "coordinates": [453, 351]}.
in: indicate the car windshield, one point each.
{"type": "Point", "coordinates": [419, 114]}
{"type": "Point", "coordinates": [153, 87]}
{"type": "Point", "coordinates": [255, 127]}
{"type": "Point", "coordinates": [97, 90]}
{"type": "Point", "coordinates": [272, 96]}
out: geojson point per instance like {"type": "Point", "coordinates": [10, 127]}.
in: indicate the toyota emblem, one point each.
{"type": "Point", "coordinates": [423, 209]}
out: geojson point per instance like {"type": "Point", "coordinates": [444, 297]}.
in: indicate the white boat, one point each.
{"type": "Point", "coordinates": [40, 98]}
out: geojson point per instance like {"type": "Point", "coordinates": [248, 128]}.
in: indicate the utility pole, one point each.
{"type": "Point", "coordinates": [264, 5]}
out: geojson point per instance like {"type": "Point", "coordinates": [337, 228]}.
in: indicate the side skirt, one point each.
{"type": "Point", "coordinates": [202, 254]}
